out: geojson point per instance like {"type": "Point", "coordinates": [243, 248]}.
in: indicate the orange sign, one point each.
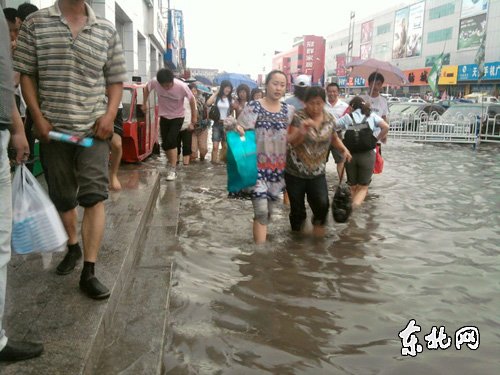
{"type": "Point", "coordinates": [417, 77]}
{"type": "Point", "coordinates": [449, 75]}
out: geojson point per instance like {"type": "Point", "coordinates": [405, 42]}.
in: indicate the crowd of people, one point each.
{"type": "Point", "coordinates": [61, 86]}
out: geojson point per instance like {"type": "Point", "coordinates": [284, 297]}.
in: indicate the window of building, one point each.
{"type": "Point", "coordinates": [383, 29]}
{"type": "Point", "coordinates": [439, 35]}
{"type": "Point", "coordinates": [441, 11]}
{"type": "Point", "coordinates": [380, 48]}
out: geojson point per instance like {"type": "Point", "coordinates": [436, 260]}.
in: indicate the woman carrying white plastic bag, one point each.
{"type": "Point", "coordinates": [36, 225]}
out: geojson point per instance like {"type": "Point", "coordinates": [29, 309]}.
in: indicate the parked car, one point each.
{"type": "Point", "coordinates": [448, 103]}
{"type": "Point", "coordinates": [416, 100]}
{"type": "Point", "coordinates": [408, 116]}
{"type": "Point", "coordinates": [462, 117]}
{"type": "Point", "coordinates": [393, 99]}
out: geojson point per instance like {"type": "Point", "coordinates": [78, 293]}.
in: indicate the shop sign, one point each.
{"type": "Point", "coordinates": [448, 75]}
{"type": "Point", "coordinates": [470, 72]}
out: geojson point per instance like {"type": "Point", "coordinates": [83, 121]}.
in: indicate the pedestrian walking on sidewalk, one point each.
{"type": "Point", "coordinates": [270, 118]}
{"type": "Point", "coordinates": [171, 93]}
{"type": "Point", "coordinates": [223, 101]}
{"type": "Point", "coordinates": [10, 350]}
{"type": "Point", "coordinates": [67, 58]}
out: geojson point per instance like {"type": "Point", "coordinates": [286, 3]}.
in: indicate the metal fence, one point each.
{"type": "Point", "coordinates": [463, 128]}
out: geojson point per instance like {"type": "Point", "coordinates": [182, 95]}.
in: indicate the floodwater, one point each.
{"type": "Point", "coordinates": [425, 246]}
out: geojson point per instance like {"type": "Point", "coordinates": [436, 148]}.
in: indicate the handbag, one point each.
{"type": "Point", "coordinates": [342, 204]}
{"type": "Point", "coordinates": [241, 160]}
{"type": "Point", "coordinates": [214, 113]}
{"type": "Point", "coordinates": [379, 161]}
{"type": "Point", "coordinates": [359, 137]}
{"type": "Point", "coordinates": [36, 225]}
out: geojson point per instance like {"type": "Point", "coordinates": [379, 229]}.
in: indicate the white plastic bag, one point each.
{"type": "Point", "coordinates": [36, 225]}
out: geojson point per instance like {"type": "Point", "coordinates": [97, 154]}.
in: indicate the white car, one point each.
{"type": "Point", "coordinates": [393, 99]}
{"type": "Point", "coordinates": [416, 100]}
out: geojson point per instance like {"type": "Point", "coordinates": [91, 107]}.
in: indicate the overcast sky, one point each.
{"type": "Point", "coordinates": [241, 35]}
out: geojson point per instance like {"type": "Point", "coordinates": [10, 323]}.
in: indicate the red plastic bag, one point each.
{"type": "Point", "coordinates": [379, 161]}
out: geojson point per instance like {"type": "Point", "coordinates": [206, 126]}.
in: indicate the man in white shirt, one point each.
{"type": "Point", "coordinates": [377, 102]}
{"type": "Point", "coordinates": [336, 108]}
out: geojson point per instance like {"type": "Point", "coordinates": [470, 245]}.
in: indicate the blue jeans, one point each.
{"type": "Point", "coordinates": [5, 225]}
{"type": "Point", "coordinates": [316, 190]}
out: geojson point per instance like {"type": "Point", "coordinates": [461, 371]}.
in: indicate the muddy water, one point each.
{"type": "Point", "coordinates": [424, 246]}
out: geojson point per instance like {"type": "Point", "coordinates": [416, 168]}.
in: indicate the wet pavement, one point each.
{"type": "Point", "coordinates": [200, 298]}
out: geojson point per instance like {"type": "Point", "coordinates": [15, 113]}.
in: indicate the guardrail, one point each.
{"type": "Point", "coordinates": [423, 127]}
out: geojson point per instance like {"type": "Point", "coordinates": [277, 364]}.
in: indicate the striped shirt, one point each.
{"type": "Point", "coordinates": [72, 73]}
{"type": "Point", "coordinates": [6, 81]}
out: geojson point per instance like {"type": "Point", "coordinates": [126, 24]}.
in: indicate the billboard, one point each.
{"type": "Point", "coordinates": [429, 60]}
{"type": "Point", "coordinates": [175, 40]}
{"type": "Point", "coordinates": [408, 29]}
{"type": "Point", "coordinates": [366, 40]}
{"type": "Point", "coordinates": [473, 7]}
{"type": "Point", "coordinates": [471, 31]}
{"type": "Point", "coordinates": [341, 61]}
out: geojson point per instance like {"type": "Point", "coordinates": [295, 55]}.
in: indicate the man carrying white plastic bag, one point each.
{"type": "Point", "coordinates": [10, 350]}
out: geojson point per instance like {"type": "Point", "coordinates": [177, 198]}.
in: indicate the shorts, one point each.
{"type": "Point", "coordinates": [118, 125]}
{"type": "Point", "coordinates": [360, 168]}
{"type": "Point", "coordinates": [218, 134]}
{"type": "Point", "coordinates": [76, 172]}
{"type": "Point", "coordinates": [169, 129]}
{"type": "Point", "coordinates": [337, 156]}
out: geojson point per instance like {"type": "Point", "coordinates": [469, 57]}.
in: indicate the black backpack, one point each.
{"type": "Point", "coordinates": [359, 137]}
{"type": "Point", "coordinates": [342, 201]}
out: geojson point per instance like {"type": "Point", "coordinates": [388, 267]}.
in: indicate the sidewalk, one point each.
{"type": "Point", "coordinates": [45, 307]}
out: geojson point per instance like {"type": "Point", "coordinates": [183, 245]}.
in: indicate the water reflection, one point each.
{"type": "Point", "coordinates": [423, 247]}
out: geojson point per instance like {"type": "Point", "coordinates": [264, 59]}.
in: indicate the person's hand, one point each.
{"type": "Point", "coordinates": [20, 144]}
{"type": "Point", "coordinates": [144, 107]}
{"type": "Point", "coordinates": [240, 130]}
{"type": "Point", "coordinates": [42, 129]}
{"type": "Point", "coordinates": [103, 127]}
{"type": "Point", "coordinates": [191, 126]}
{"type": "Point", "coordinates": [347, 155]}
{"type": "Point", "coordinates": [305, 125]}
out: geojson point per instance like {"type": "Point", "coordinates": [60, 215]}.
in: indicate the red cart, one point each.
{"type": "Point", "coordinates": [140, 129]}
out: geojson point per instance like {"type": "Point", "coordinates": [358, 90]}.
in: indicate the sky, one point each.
{"type": "Point", "coordinates": [240, 36]}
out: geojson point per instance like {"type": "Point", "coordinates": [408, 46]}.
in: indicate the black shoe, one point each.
{"type": "Point", "coordinates": [69, 262]}
{"type": "Point", "coordinates": [93, 288]}
{"type": "Point", "coordinates": [20, 350]}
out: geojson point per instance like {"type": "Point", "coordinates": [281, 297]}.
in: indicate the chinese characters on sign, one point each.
{"type": "Point", "coordinates": [309, 55]}
{"type": "Point", "coordinates": [436, 339]}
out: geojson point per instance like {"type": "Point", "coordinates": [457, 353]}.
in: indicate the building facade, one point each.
{"type": "Point", "coordinates": [141, 24]}
{"type": "Point", "coordinates": [411, 36]}
{"type": "Point", "coordinates": [307, 56]}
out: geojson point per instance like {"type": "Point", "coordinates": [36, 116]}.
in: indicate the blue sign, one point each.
{"type": "Point", "coordinates": [353, 82]}
{"type": "Point", "coordinates": [470, 72]}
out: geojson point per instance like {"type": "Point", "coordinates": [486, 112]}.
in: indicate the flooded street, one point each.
{"type": "Point", "coordinates": [424, 246]}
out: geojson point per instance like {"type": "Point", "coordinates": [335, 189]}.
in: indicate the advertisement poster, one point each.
{"type": "Point", "coordinates": [408, 29]}
{"type": "Point", "coordinates": [471, 31]}
{"type": "Point", "coordinates": [400, 33]}
{"type": "Point", "coordinates": [366, 40]}
{"type": "Point", "coordinates": [365, 51]}
{"type": "Point", "coordinates": [415, 30]}
{"type": "Point", "coordinates": [429, 60]}
{"type": "Point", "coordinates": [473, 7]}
{"type": "Point", "coordinates": [367, 32]}
{"type": "Point", "coordinates": [341, 60]}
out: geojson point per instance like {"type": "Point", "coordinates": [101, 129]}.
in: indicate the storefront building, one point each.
{"type": "Point", "coordinates": [412, 36]}
{"type": "Point", "coordinates": [141, 24]}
